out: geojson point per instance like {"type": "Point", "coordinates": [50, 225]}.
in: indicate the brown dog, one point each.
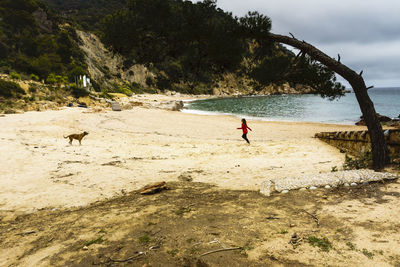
{"type": "Point", "coordinates": [76, 136]}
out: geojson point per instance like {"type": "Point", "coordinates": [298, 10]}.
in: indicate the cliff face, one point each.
{"type": "Point", "coordinates": [106, 67]}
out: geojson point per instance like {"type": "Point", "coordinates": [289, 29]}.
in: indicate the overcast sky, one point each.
{"type": "Point", "coordinates": [366, 33]}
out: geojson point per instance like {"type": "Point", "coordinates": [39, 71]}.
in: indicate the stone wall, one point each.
{"type": "Point", "coordinates": [358, 142]}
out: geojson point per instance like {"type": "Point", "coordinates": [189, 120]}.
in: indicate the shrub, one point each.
{"type": "Point", "coordinates": [122, 89]}
{"type": "Point", "coordinates": [34, 77]}
{"type": "Point", "coordinates": [77, 91]}
{"type": "Point", "coordinates": [125, 90]}
{"type": "Point", "coordinates": [323, 243]}
{"type": "Point", "coordinates": [10, 89]}
{"type": "Point", "coordinates": [15, 76]}
{"type": "Point", "coordinates": [150, 81]}
{"type": "Point", "coordinates": [51, 79]}
{"type": "Point", "coordinates": [364, 161]}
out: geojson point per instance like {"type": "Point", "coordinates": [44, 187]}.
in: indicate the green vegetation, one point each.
{"type": "Point", "coordinates": [98, 240]}
{"type": "Point", "coordinates": [351, 246]}
{"type": "Point", "coordinates": [173, 252]}
{"type": "Point", "coordinates": [363, 161]}
{"type": "Point", "coordinates": [32, 44]}
{"type": "Point", "coordinates": [15, 76]}
{"type": "Point", "coordinates": [78, 91]}
{"type": "Point", "coordinates": [189, 46]}
{"type": "Point", "coordinates": [86, 14]}
{"type": "Point", "coordinates": [144, 240]}
{"type": "Point", "coordinates": [197, 43]}
{"type": "Point", "coordinates": [194, 43]}
{"type": "Point", "coordinates": [367, 253]}
{"type": "Point", "coordinates": [323, 243]}
{"type": "Point", "coordinates": [10, 89]}
{"type": "Point", "coordinates": [34, 77]}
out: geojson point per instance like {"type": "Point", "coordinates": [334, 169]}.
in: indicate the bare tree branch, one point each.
{"type": "Point", "coordinates": [380, 152]}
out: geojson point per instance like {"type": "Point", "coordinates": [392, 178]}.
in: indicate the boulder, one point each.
{"type": "Point", "coordinates": [177, 106]}
{"type": "Point", "coordinates": [115, 106]}
{"type": "Point", "coordinates": [381, 118]}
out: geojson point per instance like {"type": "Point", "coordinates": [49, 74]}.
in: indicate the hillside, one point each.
{"type": "Point", "coordinates": [152, 46]}
{"type": "Point", "coordinates": [85, 13]}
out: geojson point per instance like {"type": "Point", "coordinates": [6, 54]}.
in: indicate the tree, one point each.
{"type": "Point", "coordinates": [380, 153]}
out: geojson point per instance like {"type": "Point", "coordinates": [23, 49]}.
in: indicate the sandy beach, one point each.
{"type": "Point", "coordinates": [126, 150]}
{"type": "Point", "coordinates": [72, 205]}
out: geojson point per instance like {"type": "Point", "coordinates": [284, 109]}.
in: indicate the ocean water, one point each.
{"type": "Point", "coordinates": [304, 108]}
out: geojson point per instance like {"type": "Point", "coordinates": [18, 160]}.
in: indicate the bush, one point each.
{"type": "Point", "coordinates": [150, 81]}
{"type": "Point", "coordinates": [364, 161]}
{"type": "Point", "coordinates": [51, 79]}
{"type": "Point", "coordinates": [122, 89]}
{"type": "Point", "coordinates": [77, 91]}
{"type": "Point", "coordinates": [125, 90]}
{"type": "Point", "coordinates": [34, 77]}
{"type": "Point", "coordinates": [10, 89]}
{"type": "Point", "coordinates": [15, 76]}
{"type": "Point", "coordinates": [323, 243]}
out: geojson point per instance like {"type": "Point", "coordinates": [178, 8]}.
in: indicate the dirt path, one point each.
{"type": "Point", "coordinates": [174, 227]}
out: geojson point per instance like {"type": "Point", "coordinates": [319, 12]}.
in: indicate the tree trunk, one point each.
{"type": "Point", "coordinates": [380, 153]}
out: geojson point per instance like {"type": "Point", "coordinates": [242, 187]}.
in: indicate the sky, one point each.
{"type": "Point", "coordinates": [366, 33]}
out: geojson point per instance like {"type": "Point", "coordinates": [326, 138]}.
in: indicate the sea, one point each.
{"type": "Point", "coordinates": [299, 108]}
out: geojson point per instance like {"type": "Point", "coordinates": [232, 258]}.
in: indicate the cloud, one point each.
{"type": "Point", "coordinates": [366, 33]}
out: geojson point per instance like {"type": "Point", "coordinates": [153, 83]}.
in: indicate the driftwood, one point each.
{"type": "Point", "coordinates": [26, 233]}
{"type": "Point", "coordinates": [380, 152]}
{"type": "Point", "coordinates": [154, 188]}
{"type": "Point", "coordinates": [219, 250]}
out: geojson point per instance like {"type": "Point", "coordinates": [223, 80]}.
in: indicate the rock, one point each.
{"type": "Point", "coordinates": [346, 185]}
{"type": "Point", "coordinates": [327, 186]}
{"type": "Point", "coordinates": [267, 187]}
{"type": "Point", "coordinates": [184, 177]}
{"type": "Point", "coordinates": [285, 191]}
{"type": "Point", "coordinates": [381, 118]}
{"type": "Point", "coordinates": [313, 188]}
{"type": "Point", "coordinates": [178, 106]}
{"type": "Point", "coordinates": [365, 183]}
{"type": "Point", "coordinates": [353, 184]}
{"type": "Point", "coordinates": [85, 248]}
{"type": "Point", "coordinates": [116, 106]}
{"type": "Point", "coordinates": [302, 189]}
{"type": "Point", "coordinates": [127, 107]}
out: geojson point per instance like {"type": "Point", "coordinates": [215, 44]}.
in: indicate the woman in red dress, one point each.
{"type": "Point", "coordinates": [244, 128]}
